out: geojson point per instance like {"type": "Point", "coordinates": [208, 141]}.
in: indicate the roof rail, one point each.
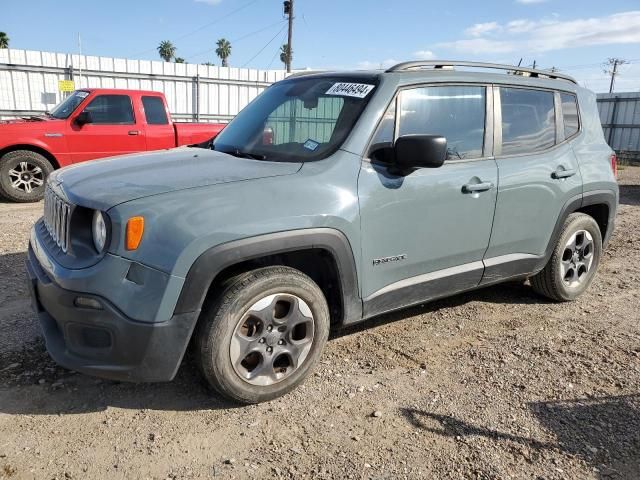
{"type": "Point", "coordinates": [449, 64]}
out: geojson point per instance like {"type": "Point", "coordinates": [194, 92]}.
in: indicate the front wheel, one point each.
{"type": "Point", "coordinates": [23, 175]}
{"type": "Point", "coordinates": [263, 333]}
{"type": "Point", "coordinates": [574, 260]}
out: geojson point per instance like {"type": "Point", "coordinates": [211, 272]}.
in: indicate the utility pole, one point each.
{"type": "Point", "coordinates": [288, 10]}
{"type": "Point", "coordinates": [614, 63]}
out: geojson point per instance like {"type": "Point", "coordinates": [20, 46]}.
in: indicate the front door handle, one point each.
{"type": "Point", "coordinates": [563, 173]}
{"type": "Point", "coordinates": [477, 187]}
{"type": "Point", "coordinates": [134, 132]}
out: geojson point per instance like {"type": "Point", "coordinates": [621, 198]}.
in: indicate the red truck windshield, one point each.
{"type": "Point", "coordinates": [69, 104]}
{"type": "Point", "coordinates": [299, 119]}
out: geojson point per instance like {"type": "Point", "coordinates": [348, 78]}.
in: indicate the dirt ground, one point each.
{"type": "Point", "coordinates": [498, 383]}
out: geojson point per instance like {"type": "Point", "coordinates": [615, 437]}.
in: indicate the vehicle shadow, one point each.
{"type": "Point", "coordinates": [630, 194]}
{"type": "Point", "coordinates": [604, 431]}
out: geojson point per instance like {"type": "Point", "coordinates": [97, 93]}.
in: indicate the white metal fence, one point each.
{"type": "Point", "coordinates": [29, 83]}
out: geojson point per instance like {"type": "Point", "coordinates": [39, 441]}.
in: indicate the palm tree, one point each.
{"type": "Point", "coordinates": [223, 51]}
{"type": "Point", "coordinates": [179, 60]}
{"type": "Point", "coordinates": [166, 50]}
{"type": "Point", "coordinates": [286, 55]}
{"type": "Point", "coordinates": [4, 40]}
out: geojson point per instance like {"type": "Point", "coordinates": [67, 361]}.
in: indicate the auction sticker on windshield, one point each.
{"type": "Point", "coordinates": [358, 90]}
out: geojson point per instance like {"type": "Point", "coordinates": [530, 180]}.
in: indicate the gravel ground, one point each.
{"type": "Point", "coordinates": [497, 383]}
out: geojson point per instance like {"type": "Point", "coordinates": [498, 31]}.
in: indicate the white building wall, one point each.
{"type": "Point", "coordinates": [29, 83]}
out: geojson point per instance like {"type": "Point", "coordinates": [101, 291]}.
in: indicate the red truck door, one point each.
{"type": "Point", "coordinates": [111, 129]}
{"type": "Point", "coordinates": [159, 131]}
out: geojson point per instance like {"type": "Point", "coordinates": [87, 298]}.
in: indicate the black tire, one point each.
{"type": "Point", "coordinates": [37, 169]}
{"type": "Point", "coordinates": [221, 320]}
{"type": "Point", "coordinates": [550, 282]}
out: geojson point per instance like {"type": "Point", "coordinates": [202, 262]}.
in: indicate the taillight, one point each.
{"type": "Point", "coordinates": [614, 165]}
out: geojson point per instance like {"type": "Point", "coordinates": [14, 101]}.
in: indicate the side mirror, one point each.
{"type": "Point", "coordinates": [83, 118]}
{"type": "Point", "coordinates": [420, 151]}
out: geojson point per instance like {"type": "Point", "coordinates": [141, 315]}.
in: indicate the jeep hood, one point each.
{"type": "Point", "coordinates": [105, 183]}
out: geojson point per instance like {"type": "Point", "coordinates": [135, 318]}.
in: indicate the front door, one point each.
{"type": "Point", "coordinates": [424, 234]}
{"type": "Point", "coordinates": [112, 131]}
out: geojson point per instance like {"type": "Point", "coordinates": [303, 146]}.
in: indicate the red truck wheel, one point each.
{"type": "Point", "coordinates": [23, 175]}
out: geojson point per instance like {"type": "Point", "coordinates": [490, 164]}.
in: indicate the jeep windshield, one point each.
{"type": "Point", "coordinates": [301, 119]}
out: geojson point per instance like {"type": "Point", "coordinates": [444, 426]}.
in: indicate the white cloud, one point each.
{"type": "Point", "coordinates": [482, 28]}
{"type": "Point", "coordinates": [544, 35]}
{"type": "Point", "coordinates": [424, 55]}
{"type": "Point", "coordinates": [209, 2]}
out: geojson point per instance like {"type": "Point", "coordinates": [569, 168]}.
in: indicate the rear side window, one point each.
{"type": "Point", "coordinates": [455, 112]}
{"type": "Point", "coordinates": [111, 109]}
{"type": "Point", "coordinates": [154, 111]}
{"type": "Point", "coordinates": [570, 114]}
{"type": "Point", "coordinates": [528, 120]}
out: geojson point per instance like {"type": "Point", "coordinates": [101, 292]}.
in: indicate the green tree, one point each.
{"type": "Point", "coordinates": [209, 64]}
{"type": "Point", "coordinates": [166, 50]}
{"type": "Point", "coordinates": [179, 60]}
{"type": "Point", "coordinates": [286, 54]}
{"type": "Point", "coordinates": [4, 40]}
{"type": "Point", "coordinates": [223, 51]}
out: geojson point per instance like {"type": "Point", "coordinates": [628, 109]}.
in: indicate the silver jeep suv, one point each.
{"type": "Point", "coordinates": [332, 198]}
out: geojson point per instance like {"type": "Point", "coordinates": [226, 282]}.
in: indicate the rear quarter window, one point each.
{"type": "Point", "coordinates": [570, 114]}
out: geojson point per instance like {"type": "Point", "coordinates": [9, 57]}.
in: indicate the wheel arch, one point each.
{"type": "Point", "coordinates": [324, 254]}
{"type": "Point", "coordinates": [599, 204]}
{"type": "Point", "coordinates": [33, 148]}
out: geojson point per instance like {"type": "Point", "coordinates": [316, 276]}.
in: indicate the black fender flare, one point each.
{"type": "Point", "coordinates": [213, 261]}
{"type": "Point", "coordinates": [595, 197]}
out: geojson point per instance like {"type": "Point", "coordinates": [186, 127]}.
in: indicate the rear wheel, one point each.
{"type": "Point", "coordinates": [574, 261]}
{"type": "Point", "coordinates": [263, 333]}
{"type": "Point", "coordinates": [23, 175]}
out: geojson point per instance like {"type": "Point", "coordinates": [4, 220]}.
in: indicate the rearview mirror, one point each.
{"type": "Point", "coordinates": [83, 118]}
{"type": "Point", "coordinates": [420, 151]}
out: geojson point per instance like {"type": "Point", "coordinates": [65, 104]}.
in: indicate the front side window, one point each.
{"type": "Point", "coordinates": [298, 119]}
{"type": "Point", "coordinates": [570, 114]}
{"type": "Point", "coordinates": [111, 109]}
{"type": "Point", "coordinates": [454, 112]}
{"type": "Point", "coordinates": [528, 120]}
{"type": "Point", "coordinates": [154, 111]}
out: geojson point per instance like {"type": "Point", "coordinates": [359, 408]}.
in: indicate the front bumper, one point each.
{"type": "Point", "coordinates": [105, 342]}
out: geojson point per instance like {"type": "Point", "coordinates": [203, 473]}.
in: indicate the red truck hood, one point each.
{"type": "Point", "coordinates": [33, 124]}
{"type": "Point", "coordinates": [103, 184]}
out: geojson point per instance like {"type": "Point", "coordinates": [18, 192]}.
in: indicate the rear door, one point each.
{"type": "Point", "coordinates": [424, 234]}
{"type": "Point", "coordinates": [159, 131]}
{"type": "Point", "coordinates": [538, 175]}
{"type": "Point", "coordinates": [112, 131]}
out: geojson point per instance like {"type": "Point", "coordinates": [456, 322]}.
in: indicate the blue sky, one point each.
{"type": "Point", "coordinates": [574, 35]}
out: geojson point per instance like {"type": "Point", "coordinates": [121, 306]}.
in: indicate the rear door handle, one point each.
{"type": "Point", "coordinates": [562, 173]}
{"type": "Point", "coordinates": [477, 187]}
{"type": "Point", "coordinates": [134, 132]}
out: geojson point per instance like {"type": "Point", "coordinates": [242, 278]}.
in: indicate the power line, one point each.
{"type": "Point", "coordinates": [217, 20]}
{"type": "Point", "coordinates": [263, 48]}
{"type": "Point", "coordinates": [277, 52]}
{"type": "Point", "coordinates": [279, 22]}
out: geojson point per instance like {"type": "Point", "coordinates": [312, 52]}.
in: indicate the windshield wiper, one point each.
{"type": "Point", "coordinates": [236, 152]}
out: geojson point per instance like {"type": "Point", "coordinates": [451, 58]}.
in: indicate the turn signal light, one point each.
{"type": "Point", "coordinates": [614, 165]}
{"type": "Point", "coordinates": [135, 229]}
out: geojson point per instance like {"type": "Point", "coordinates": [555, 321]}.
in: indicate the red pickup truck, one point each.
{"type": "Point", "coordinates": [89, 124]}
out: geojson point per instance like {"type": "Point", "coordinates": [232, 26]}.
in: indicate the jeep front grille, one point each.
{"type": "Point", "coordinates": [57, 218]}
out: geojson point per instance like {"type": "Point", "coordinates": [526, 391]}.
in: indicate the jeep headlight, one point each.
{"type": "Point", "coordinates": [99, 230]}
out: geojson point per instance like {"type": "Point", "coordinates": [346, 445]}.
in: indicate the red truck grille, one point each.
{"type": "Point", "coordinates": [57, 218]}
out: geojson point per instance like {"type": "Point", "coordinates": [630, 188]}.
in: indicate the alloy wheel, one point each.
{"type": "Point", "coordinates": [577, 258]}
